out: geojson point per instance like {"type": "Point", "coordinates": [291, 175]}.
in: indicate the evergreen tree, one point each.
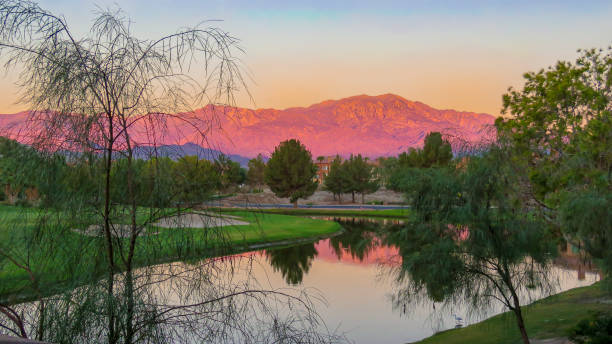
{"type": "Point", "coordinates": [337, 181]}
{"type": "Point", "coordinates": [436, 151]}
{"type": "Point", "coordinates": [290, 171]}
{"type": "Point", "coordinates": [360, 175]}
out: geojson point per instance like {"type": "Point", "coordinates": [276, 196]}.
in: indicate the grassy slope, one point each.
{"type": "Point", "coordinates": [547, 318]}
{"type": "Point", "coordinates": [58, 263]}
{"type": "Point", "coordinates": [387, 213]}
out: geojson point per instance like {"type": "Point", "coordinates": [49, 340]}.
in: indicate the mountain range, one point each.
{"type": "Point", "coordinates": [374, 126]}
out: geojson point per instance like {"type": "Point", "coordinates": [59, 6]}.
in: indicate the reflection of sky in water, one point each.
{"type": "Point", "coordinates": [358, 296]}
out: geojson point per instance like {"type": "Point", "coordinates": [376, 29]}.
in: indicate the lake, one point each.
{"type": "Point", "coordinates": [348, 278]}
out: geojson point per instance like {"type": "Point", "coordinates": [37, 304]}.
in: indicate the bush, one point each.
{"type": "Point", "coordinates": [596, 329]}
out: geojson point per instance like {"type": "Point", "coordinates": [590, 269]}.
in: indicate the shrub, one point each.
{"type": "Point", "coordinates": [596, 329]}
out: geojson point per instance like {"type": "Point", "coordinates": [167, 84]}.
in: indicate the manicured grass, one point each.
{"type": "Point", "coordinates": [386, 213]}
{"type": "Point", "coordinates": [55, 266]}
{"type": "Point", "coordinates": [547, 318]}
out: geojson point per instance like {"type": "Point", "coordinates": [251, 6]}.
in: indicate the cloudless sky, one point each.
{"type": "Point", "coordinates": [449, 54]}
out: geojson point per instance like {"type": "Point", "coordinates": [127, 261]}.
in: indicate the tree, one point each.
{"type": "Point", "coordinates": [436, 152]}
{"type": "Point", "coordinates": [559, 126]}
{"type": "Point", "coordinates": [255, 173]}
{"type": "Point", "coordinates": [337, 181]}
{"type": "Point", "coordinates": [17, 166]}
{"type": "Point", "coordinates": [87, 94]}
{"type": "Point", "coordinates": [160, 186]}
{"type": "Point", "coordinates": [290, 171]}
{"type": "Point", "coordinates": [195, 179]}
{"type": "Point", "coordinates": [230, 172]}
{"type": "Point", "coordinates": [360, 176]}
{"type": "Point", "coordinates": [474, 237]}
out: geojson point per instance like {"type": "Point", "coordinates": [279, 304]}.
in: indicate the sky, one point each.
{"type": "Point", "coordinates": [460, 55]}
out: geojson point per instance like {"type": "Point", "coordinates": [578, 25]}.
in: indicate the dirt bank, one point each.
{"type": "Point", "coordinates": [320, 197]}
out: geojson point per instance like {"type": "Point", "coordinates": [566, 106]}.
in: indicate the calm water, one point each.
{"type": "Point", "coordinates": [349, 274]}
{"type": "Point", "coordinates": [347, 277]}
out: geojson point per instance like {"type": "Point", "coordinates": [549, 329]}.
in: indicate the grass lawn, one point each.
{"type": "Point", "coordinates": [50, 253]}
{"type": "Point", "coordinates": [386, 213]}
{"type": "Point", "coordinates": [547, 318]}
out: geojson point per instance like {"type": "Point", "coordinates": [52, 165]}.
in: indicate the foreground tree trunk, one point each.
{"type": "Point", "coordinates": [519, 318]}
{"type": "Point", "coordinates": [295, 204]}
{"type": "Point", "coordinates": [112, 335]}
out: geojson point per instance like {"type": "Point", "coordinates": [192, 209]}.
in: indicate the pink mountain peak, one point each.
{"type": "Point", "coordinates": [371, 125]}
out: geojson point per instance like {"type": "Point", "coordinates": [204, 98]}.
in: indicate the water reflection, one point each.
{"type": "Point", "coordinates": [292, 262]}
{"type": "Point", "coordinates": [294, 292]}
{"type": "Point", "coordinates": [354, 272]}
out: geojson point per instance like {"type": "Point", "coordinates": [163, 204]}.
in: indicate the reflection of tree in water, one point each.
{"type": "Point", "coordinates": [292, 261]}
{"type": "Point", "coordinates": [358, 239]}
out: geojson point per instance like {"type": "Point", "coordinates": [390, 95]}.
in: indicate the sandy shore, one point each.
{"type": "Point", "coordinates": [189, 220]}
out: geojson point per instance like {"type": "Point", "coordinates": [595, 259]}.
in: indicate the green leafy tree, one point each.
{"type": "Point", "coordinates": [255, 173]}
{"type": "Point", "coordinates": [474, 237]}
{"type": "Point", "coordinates": [290, 171]}
{"type": "Point", "coordinates": [386, 167]}
{"type": "Point", "coordinates": [361, 177]}
{"type": "Point", "coordinates": [559, 125]}
{"type": "Point", "coordinates": [230, 172]}
{"type": "Point", "coordinates": [18, 167]}
{"type": "Point", "coordinates": [160, 187]}
{"type": "Point", "coordinates": [195, 178]}
{"type": "Point", "coordinates": [412, 158]}
{"type": "Point", "coordinates": [337, 180]}
{"type": "Point", "coordinates": [119, 179]}
{"type": "Point", "coordinates": [436, 150]}
{"type": "Point", "coordinates": [436, 153]}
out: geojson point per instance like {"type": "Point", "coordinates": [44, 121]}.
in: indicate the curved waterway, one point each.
{"type": "Point", "coordinates": [346, 281]}
{"type": "Point", "coordinates": [348, 277]}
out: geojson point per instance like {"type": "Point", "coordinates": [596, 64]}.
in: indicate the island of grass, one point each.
{"type": "Point", "coordinates": [62, 256]}
{"type": "Point", "coordinates": [548, 318]}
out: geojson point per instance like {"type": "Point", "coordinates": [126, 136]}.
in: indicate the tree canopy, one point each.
{"type": "Point", "coordinates": [360, 176]}
{"type": "Point", "coordinates": [474, 237]}
{"type": "Point", "coordinates": [436, 152]}
{"type": "Point", "coordinates": [255, 173]}
{"type": "Point", "coordinates": [337, 180]}
{"type": "Point", "coordinates": [290, 171]}
{"type": "Point", "coordinates": [559, 126]}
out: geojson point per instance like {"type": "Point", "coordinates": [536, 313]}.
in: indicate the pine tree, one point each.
{"type": "Point", "coordinates": [290, 171]}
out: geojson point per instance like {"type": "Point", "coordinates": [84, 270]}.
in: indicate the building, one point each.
{"type": "Point", "coordinates": [323, 164]}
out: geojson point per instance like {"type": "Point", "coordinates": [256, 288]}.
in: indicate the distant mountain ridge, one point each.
{"type": "Point", "coordinates": [176, 151]}
{"type": "Point", "coordinates": [371, 125]}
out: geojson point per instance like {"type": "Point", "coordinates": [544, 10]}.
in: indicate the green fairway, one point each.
{"type": "Point", "coordinates": [50, 256]}
{"type": "Point", "coordinates": [547, 318]}
{"type": "Point", "coordinates": [386, 213]}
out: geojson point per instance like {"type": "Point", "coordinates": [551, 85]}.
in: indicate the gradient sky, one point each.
{"type": "Point", "coordinates": [448, 54]}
